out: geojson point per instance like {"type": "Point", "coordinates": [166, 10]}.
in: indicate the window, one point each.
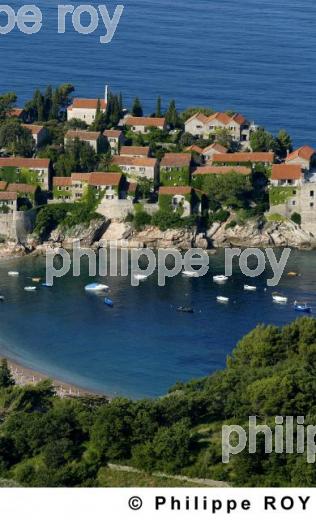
{"type": "Point", "coordinates": [311, 204]}
{"type": "Point", "coordinates": [293, 203]}
{"type": "Point", "coordinates": [294, 192]}
{"type": "Point", "coordinates": [312, 193]}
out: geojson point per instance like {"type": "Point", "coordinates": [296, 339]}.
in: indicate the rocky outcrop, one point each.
{"type": "Point", "coordinates": [12, 250]}
{"type": "Point", "coordinates": [87, 234]}
{"type": "Point", "coordinates": [257, 234]}
{"type": "Point", "coordinates": [172, 238]}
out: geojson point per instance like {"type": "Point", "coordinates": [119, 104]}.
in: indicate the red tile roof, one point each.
{"type": "Point", "coordinates": [176, 160]}
{"type": "Point", "coordinates": [216, 147]}
{"type": "Point", "coordinates": [104, 179]}
{"type": "Point", "coordinates": [222, 170]}
{"type": "Point", "coordinates": [62, 181]}
{"type": "Point", "coordinates": [145, 121]}
{"type": "Point", "coordinates": [21, 188]}
{"type": "Point", "coordinates": [22, 162]}
{"type": "Point", "coordinates": [16, 112]}
{"type": "Point", "coordinates": [82, 177]}
{"type": "Point", "coordinates": [87, 103]}
{"type": "Point", "coordinates": [305, 152]}
{"type": "Point", "coordinates": [175, 190]}
{"type": "Point", "coordinates": [135, 150]}
{"type": "Point", "coordinates": [83, 135]}
{"type": "Point", "coordinates": [240, 157]}
{"type": "Point", "coordinates": [8, 195]}
{"type": "Point", "coordinates": [134, 161]}
{"type": "Point", "coordinates": [194, 148]}
{"type": "Point", "coordinates": [34, 129]}
{"type": "Point", "coordinates": [112, 133]}
{"type": "Point", "coordinates": [222, 117]}
{"type": "Point", "coordinates": [286, 172]}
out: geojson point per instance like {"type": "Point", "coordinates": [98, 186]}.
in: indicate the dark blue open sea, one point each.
{"type": "Point", "coordinates": [256, 57]}
{"type": "Point", "coordinates": [142, 346]}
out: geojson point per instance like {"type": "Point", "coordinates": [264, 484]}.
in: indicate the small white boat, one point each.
{"type": "Point", "coordinates": [222, 299]}
{"type": "Point", "coordinates": [140, 277]}
{"type": "Point", "coordinates": [250, 288]}
{"type": "Point", "coordinates": [96, 287]}
{"type": "Point", "coordinates": [30, 289]}
{"type": "Point", "coordinates": [220, 278]}
{"type": "Point", "coordinates": [278, 298]}
{"type": "Point", "coordinates": [13, 273]}
{"type": "Point", "coordinates": [190, 274]}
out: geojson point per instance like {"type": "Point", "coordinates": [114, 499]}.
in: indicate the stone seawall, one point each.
{"type": "Point", "coordinates": [17, 225]}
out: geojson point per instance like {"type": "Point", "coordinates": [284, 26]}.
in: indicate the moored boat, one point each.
{"type": "Point", "coordinates": [188, 310]}
{"type": "Point", "coordinates": [250, 288]}
{"type": "Point", "coordinates": [222, 299]}
{"type": "Point", "coordinates": [140, 277]}
{"type": "Point", "coordinates": [36, 280]}
{"type": "Point", "coordinates": [30, 288]}
{"type": "Point", "coordinates": [96, 287]}
{"type": "Point", "coordinates": [220, 278]}
{"type": "Point", "coordinates": [109, 302]}
{"type": "Point", "coordinates": [13, 273]}
{"type": "Point", "coordinates": [190, 274]}
{"type": "Point", "coordinates": [302, 307]}
{"type": "Point", "coordinates": [278, 298]}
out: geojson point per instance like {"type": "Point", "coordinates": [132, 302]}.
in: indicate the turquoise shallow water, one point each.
{"type": "Point", "coordinates": [255, 57]}
{"type": "Point", "coordinates": [142, 346]}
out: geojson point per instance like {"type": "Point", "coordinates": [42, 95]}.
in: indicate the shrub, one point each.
{"type": "Point", "coordinates": [141, 219]}
{"type": "Point", "coordinates": [296, 218]}
{"type": "Point", "coordinates": [231, 224]}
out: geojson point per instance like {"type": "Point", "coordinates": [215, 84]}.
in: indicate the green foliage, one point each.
{"type": "Point", "coordinates": [261, 141]}
{"type": "Point", "coordinates": [172, 117]}
{"type": "Point", "coordinates": [49, 105]}
{"type": "Point", "coordinates": [7, 102]}
{"type": "Point", "coordinates": [16, 139]}
{"type": "Point", "coordinates": [283, 144]}
{"type": "Point", "coordinates": [280, 194]}
{"type": "Point", "coordinates": [141, 219]}
{"type": "Point", "coordinates": [231, 190]}
{"type": "Point", "coordinates": [276, 217]}
{"type": "Point", "coordinates": [175, 176]}
{"type": "Point", "coordinates": [79, 156]}
{"type": "Point", "coordinates": [166, 219]}
{"type": "Point", "coordinates": [6, 379]}
{"type": "Point", "coordinates": [296, 218]}
{"type": "Point", "coordinates": [48, 441]}
{"type": "Point", "coordinates": [137, 109]}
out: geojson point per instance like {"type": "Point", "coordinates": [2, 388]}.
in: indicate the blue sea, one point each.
{"type": "Point", "coordinates": [254, 57]}
{"type": "Point", "coordinates": [142, 346]}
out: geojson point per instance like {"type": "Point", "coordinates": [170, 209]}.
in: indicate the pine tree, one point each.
{"type": "Point", "coordinates": [137, 109]}
{"type": "Point", "coordinates": [6, 378]}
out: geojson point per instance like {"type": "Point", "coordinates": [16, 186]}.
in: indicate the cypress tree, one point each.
{"type": "Point", "coordinates": [158, 107]}
{"type": "Point", "coordinates": [137, 109]}
{"type": "Point", "coordinates": [172, 118]}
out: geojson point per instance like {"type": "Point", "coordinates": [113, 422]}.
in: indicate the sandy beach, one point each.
{"type": "Point", "coordinates": [26, 376]}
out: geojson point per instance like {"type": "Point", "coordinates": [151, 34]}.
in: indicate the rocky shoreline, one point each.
{"type": "Point", "coordinates": [101, 232]}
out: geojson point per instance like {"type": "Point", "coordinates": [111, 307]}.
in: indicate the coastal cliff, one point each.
{"type": "Point", "coordinates": [252, 234]}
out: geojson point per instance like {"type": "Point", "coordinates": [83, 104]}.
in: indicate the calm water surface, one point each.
{"type": "Point", "coordinates": [255, 57]}
{"type": "Point", "coordinates": [142, 346]}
